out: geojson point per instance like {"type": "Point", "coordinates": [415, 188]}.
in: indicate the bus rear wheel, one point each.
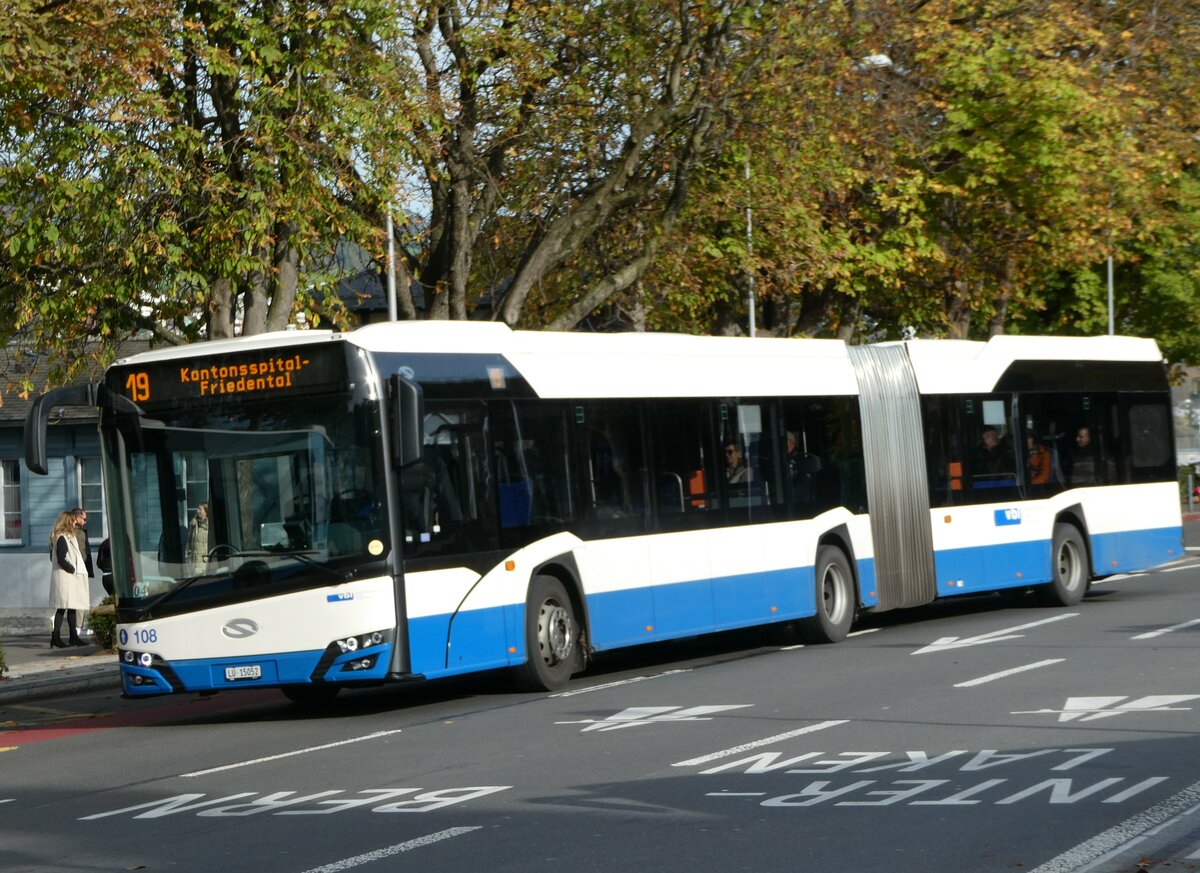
{"type": "Point", "coordinates": [835, 598]}
{"type": "Point", "coordinates": [552, 637]}
{"type": "Point", "coordinates": [1068, 568]}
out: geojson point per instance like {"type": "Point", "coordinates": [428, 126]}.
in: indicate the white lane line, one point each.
{"type": "Point", "coordinates": [620, 682]}
{"type": "Point", "coordinates": [1166, 630]}
{"type": "Point", "coordinates": [1191, 548]}
{"type": "Point", "coordinates": [870, 630]}
{"type": "Point", "coordinates": [1188, 566]}
{"type": "Point", "coordinates": [1116, 577]}
{"type": "Point", "coordinates": [8, 800]}
{"type": "Point", "coordinates": [378, 854]}
{"type": "Point", "coordinates": [993, 676]}
{"type": "Point", "coordinates": [737, 750]}
{"type": "Point", "coordinates": [373, 736]}
{"type": "Point", "coordinates": [1124, 836]}
{"type": "Point", "coordinates": [792, 648]}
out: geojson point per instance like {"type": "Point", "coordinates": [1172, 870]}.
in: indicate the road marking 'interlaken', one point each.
{"type": "Point", "coordinates": [945, 644]}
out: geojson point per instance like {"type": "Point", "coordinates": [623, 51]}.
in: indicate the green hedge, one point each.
{"type": "Point", "coordinates": [103, 622]}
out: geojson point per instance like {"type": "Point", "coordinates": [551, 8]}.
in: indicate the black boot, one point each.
{"type": "Point", "coordinates": [76, 641]}
{"type": "Point", "coordinates": [56, 642]}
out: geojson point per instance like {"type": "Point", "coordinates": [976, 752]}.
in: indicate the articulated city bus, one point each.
{"type": "Point", "coordinates": [313, 510]}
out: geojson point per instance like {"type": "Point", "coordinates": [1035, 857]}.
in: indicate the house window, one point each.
{"type": "Point", "coordinates": [10, 501]}
{"type": "Point", "coordinates": [91, 495]}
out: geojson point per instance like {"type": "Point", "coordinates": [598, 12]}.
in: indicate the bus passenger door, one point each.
{"type": "Point", "coordinates": [612, 509]}
{"type": "Point", "coordinates": [687, 501]}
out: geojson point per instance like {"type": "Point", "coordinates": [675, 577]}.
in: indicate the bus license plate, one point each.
{"type": "Point", "coordinates": [253, 671]}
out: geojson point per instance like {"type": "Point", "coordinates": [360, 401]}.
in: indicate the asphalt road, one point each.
{"type": "Point", "coordinates": [979, 735]}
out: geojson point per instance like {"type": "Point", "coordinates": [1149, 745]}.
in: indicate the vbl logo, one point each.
{"type": "Point", "coordinates": [1008, 516]}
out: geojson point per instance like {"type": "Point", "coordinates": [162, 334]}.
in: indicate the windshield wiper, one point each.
{"type": "Point", "coordinates": [167, 595]}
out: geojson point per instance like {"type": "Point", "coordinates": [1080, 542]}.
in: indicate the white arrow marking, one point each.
{"type": "Point", "coordinates": [946, 643]}
{"type": "Point", "coordinates": [1093, 708]}
{"type": "Point", "coordinates": [635, 716]}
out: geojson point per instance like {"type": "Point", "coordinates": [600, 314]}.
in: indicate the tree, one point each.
{"type": "Point", "coordinates": [182, 166]}
{"type": "Point", "coordinates": [541, 128]}
{"type": "Point", "coordinates": [961, 158]}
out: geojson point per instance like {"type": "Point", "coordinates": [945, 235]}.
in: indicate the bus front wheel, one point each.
{"type": "Point", "coordinates": [835, 598]}
{"type": "Point", "coordinates": [1068, 568]}
{"type": "Point", "coordinates": [552, 637]}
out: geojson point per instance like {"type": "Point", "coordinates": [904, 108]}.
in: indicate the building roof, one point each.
{"type": "Point", "coordinates": [18, 364]}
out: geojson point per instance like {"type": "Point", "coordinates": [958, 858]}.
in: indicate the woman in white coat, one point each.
{"type": "Point", "coordinates": [68, 580]}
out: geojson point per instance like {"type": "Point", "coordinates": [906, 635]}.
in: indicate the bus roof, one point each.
{"type": "Point", "coordinates": [582, 365]}
{"type": "Point", "coordinates": [967, 367]}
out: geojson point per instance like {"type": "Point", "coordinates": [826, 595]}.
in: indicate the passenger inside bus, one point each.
{"type": "Point", "coordinates": [737, 471]}
{"type": "Point", "coordinates": [993, 465]}
{"type": "Point", "coordinates": [1037, 461]}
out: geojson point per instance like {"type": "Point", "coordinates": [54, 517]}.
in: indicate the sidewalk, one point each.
{"type": "Point", "coordinates": [36, 670]}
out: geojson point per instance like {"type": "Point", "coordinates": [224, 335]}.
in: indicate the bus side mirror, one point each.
{"type": "Point", "coordinates": [38, 418]}
{"type": "Point", "coordinates": [408, 420]}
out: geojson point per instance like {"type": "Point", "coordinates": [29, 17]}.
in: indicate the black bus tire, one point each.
{"type": "Point", "coordinates": [835, 598]}
{"type": "Point", "coordinates": [1068, 568]}
{"type": "Point", "coordinates": [552, 637]}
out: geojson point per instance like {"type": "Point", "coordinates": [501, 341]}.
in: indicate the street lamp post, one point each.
{"type": "Point", "coordinates": [749, 248]}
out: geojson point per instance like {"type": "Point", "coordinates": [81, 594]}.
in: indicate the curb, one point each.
{"type": "Point", "coordinates": [38, 685]}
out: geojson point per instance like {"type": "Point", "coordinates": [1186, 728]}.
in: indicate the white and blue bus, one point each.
{"type": "Point", "coordinates": [421, 500]}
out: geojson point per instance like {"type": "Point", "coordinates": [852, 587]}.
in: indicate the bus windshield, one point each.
{"type": "Point", "coordinates": [234, 499]}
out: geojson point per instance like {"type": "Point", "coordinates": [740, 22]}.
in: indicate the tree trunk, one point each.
{"type": "Point", "coordinates": [286, 278]}
{"type": "Point", "coordinates": [222, 313]}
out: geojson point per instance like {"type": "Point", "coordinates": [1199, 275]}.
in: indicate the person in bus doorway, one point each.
{"type": "Point", "coordinates": [68, 580]}
{"type": "Point", "coordinates": [196, 553]}
{"type": "Point", "coordinates": [1037, 461]}
{"type": "Point", "coordinates": [104, 563]}
{"type": "Point", "coordinates": [736, 471]}
{"type": "Point", "coordinates": [1083, 459]}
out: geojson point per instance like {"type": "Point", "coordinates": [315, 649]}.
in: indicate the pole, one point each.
{"type": "Point", "coordinates": [749, 248]}
{"type": "Point", "coordinates": [391, 268]}
{"type": "Point", "coordinates": [1110, 296]}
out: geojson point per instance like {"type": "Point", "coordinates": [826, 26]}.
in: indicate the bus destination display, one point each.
{"type": "Point", "coordinates": [259, 375]}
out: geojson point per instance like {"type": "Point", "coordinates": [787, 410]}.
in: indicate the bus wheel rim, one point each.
{"type": "Point", "coordinates": [555, 637]}
{"type": "Point", "coordinates": [831, 593]}
{"type": "Point", "coordinates": [1068, 565]}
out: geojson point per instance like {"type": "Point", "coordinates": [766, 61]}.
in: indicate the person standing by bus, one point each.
{"type": "Point", "coordinates": [81, 536]}
{"type": "Point", "coordinates": [196, 554]}
{"type": "Point", "coordinates": [68, 580]}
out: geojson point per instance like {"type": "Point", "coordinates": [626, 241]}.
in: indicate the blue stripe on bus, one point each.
{"type": "Point", "coordinates": [979, 569]}
{"type": "Point", "coordinates": [1124, 551]}
{"type": "Point", "coordinates": [481, 639]}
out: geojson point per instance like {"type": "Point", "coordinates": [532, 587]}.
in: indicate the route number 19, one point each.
{"type": "Point", "coordinates": [138, 386]}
